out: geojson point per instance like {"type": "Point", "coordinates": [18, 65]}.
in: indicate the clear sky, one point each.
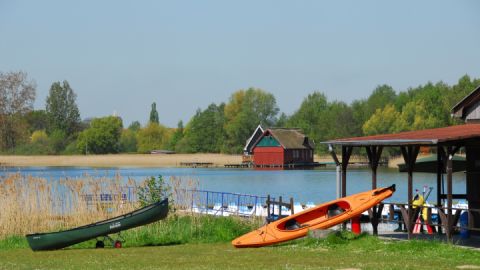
{"type": "Point", "coordinates": [123, 55]}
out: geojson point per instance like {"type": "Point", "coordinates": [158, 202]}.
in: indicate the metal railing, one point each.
{"type": "Point", "coordinates": [227, 203]}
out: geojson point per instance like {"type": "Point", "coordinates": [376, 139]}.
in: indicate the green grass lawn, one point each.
{"type": "Point", "coordinates": [338, 251]}
{"type": "Point", "coordinates": [203, 242]}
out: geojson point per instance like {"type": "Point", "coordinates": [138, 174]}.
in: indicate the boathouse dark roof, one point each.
{"type": "Point", "coordinates": [247, 150]}
{"type": "Point", "coordinates": [461, 109]}
{"type": "Point", "coordinates": [289, 138]}
{"type": "Point", "coordinates": [419, 137]}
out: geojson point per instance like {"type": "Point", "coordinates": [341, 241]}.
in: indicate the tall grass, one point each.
{"type": "Point", "coordinates": [32, 204]}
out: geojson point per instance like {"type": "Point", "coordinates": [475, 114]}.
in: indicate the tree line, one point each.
{"type": "Point", "coordinates": [219, 128]}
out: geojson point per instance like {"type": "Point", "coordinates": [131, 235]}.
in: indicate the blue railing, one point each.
{"type": "Point", "coordinates": [227, 203]}
{"type": "Point", "coordinates": [199, 201]}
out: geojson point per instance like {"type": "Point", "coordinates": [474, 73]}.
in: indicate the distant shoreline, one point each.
{"type": "Point", "coordinates": [117, 160]}
{"type": "Point", "coordinates": [130, 160]}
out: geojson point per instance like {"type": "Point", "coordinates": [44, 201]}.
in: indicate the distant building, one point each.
{"type": "Point", "coordinates": [468, 109]}
{"type": "Point", "coordinates": [280, 147]}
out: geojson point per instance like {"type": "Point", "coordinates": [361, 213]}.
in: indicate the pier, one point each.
{"type": "Point", "coordinates": [195, 164]}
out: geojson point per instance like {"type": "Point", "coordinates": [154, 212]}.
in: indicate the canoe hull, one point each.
{"type": "Point", "coordinates": [61, 239]}
{"type": "Point", "coordinates": [320, 217]}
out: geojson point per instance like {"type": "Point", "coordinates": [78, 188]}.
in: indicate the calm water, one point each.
{"type": "Point", "coordinates": [303, 185]}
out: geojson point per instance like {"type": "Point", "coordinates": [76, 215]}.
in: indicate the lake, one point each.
{"type": "Point", "coordinates": [315, 186]}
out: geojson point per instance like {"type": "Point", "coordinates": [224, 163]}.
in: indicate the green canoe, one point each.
{"type": "Point", "coordinates": [61, 239]}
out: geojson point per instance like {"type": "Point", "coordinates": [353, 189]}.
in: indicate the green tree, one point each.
{"type": "Point", "coordinates": [62, 110]}
{"type": "Point", "coordinates": [58, 140]}
{"type": "Point", "coordinates": [102, 136]}
{"type": "Point", "coordinates": [309, 116]}
{"type": "Point", "coordinates": [362, 110]}
{"type": "Point", "coordinates": [135, 126]}
{"type": "Point", "coordinates": [177, 136]}
{"type": "Point", "coordinates": [153, 137]}
{"type": "Point", "coordinates": [382, 121]}
{"type": "Point", "coordinates": [415, 116]}
{"type": "Point", "coordinates": [282, 120]}
{"type": "Point", "coordinates": [128, 141]}
{"type": "Point", "coordinates": [322, 120]}
{"type": "Point", "coordinates": [40, 144]}
{"type": "Point", "coordinates": [245, 110]}
{"type": "Point", "coordinates": [36, 120]}
{"type": "Point", "coordinates": [154, 114]}
{"type": "Point", "coordinates": [17, 95]}
{"type": "Point", "coordinates": [204, 133]}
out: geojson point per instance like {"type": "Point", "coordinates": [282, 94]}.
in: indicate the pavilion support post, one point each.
{"type": "Point", "coordinates": [346, 153]}
{"type": "Point", "coordinates": [449, 195]}
{"type": "Point", "coordinates": [338, 183]}
{"type": "Point", "coordinates": [374, 153]}
{"type": "Point", "coordinates": [448, 219]}
{"type": "Point", "coordinates": [410, 154]}
{"type": "Point", "coordinates": [440, 169]}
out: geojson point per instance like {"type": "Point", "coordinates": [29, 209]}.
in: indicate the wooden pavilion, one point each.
{"type": "Point", "coordinates": [446, 141]}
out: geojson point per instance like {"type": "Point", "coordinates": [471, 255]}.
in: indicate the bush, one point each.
{"type": "Point", "coordinates": [154, 190]}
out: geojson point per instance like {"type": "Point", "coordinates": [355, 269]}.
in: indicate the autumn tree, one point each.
{"type": "Point", "coordinates": [17, 94]}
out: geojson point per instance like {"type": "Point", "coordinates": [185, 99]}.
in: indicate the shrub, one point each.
{"type": "Point", "coordinates": [154, 190]}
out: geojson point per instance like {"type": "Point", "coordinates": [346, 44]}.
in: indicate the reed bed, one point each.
{"type": "Point", "coordinates": [32, 204]}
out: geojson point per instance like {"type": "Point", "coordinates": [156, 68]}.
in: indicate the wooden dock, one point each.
{"type": "Point", "coordinates": [195, 164]}
{"type": "Point", "coordinates": [291, 165]}
{"type": "Point", "coordinates": [239, 165]}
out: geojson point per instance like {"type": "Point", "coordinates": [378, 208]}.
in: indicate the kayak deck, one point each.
{"type": "Point", "coordinates": [320, 217]}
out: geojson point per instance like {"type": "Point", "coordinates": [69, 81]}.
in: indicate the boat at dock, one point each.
{"type": "Point", "coordinates": [322, 216]}
{"type": "Point", "coordinates": [62, 239]}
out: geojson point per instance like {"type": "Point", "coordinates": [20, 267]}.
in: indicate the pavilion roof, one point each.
{"type": "Point", "coordinates": [419, 137]}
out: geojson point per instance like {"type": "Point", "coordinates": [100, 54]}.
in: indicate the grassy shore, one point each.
{"type": "Point", "coordinates": [337, 251]}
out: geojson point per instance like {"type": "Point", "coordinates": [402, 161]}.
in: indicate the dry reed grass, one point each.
{"type": "Point", "coordinates": [31, 204]}
{"type": "Point", "coordinates": [119, 160]}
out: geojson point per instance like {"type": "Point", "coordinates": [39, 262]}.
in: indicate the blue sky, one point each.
{"type": "Point", "coordinates": [123, 55]}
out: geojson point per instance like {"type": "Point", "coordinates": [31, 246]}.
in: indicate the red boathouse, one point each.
{"type": "Point", "coordinates": [282, 147]}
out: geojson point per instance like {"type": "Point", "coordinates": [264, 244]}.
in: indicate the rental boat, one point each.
{"type": "Point", "coordinates": [61, 239]}
{"type": "Point", "coordinates": [320, 217]}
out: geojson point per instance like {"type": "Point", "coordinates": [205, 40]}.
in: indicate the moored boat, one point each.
{"type": "Point", "coordinates": [320, 217]}
{"type": "Point", "coordinates": [61, 239]}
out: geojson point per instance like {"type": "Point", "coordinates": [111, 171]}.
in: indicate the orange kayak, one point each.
{"type": "Point", "coordinates": [322, 216]}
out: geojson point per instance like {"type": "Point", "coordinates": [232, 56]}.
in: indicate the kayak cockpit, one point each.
{"type": "Point", "coordinates": [314, 217]}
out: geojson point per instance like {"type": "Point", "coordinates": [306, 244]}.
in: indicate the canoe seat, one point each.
{"type": "Point", "coordinates": [292, 224]}
{"type": "Point", "coordinates": [334, 210]}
